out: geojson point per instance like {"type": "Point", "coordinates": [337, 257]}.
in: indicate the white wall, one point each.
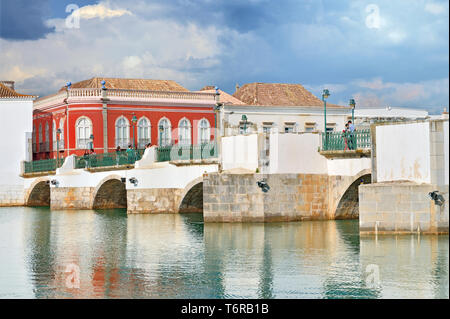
{"type": "Point", "coordinates": [348, 166]}
{"type": "Point", "coordinates": [296, 153]}
{"type": "Point", "coordinates": [403, 152]}
{"type": "Point", "coordinates": [161, 175]}
{"type": "Point", "coordinates": [16, 120]}
{"type": "Point", "coordinates": [446, 146]}
{"type": "Point", "coordinates": [240, 151]}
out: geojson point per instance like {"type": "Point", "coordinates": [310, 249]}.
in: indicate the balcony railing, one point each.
{"type": "Point", "coordinates": [47, 165]}
{"type": "Point", "coordinates": [341, 141]}
{"type": "Point", "coordinates": [187, 152]}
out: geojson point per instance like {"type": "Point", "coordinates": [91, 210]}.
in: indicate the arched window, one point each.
{"type": "Point", "coordinates": [47, 137]}
{"type": "Point", "coordinates": [34, 138]}
{"type": "Point", "coordinates": [143, 133]}
{"type": "Point", "coordinates": [61, 135]}
{"type": "Point", "coordinates": [54, 135]}
{"type": "Point", "coordinates": [41, 144]}
{"type": "Point", "coordinates": [83, 130]}
{"type": "Point", "coordinates": [184, 129]}
{"type": "Point", "coordinates": [204, 131]}
{"type": "Point", "coordinates": [122, 132]}
{"type": "Point", "coordinates": [165, 134]}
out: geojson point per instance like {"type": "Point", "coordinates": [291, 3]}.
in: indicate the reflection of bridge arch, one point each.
{"type": "Point", "coordinates": [110, 193]}
{"type": "Point", "coordinates": [348, 201]}
{"type": "Point", "coordinates": [39, 193]}
{"type": "Point", "coordinates": [192, 197]}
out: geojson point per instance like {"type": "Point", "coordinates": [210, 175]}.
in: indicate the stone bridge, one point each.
{"type": "Point", "coordinates": [328, 189]}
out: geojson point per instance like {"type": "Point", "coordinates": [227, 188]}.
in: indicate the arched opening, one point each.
{"type": "Point", "coordinates": [193, 200]}
{"type": "Point", "coordinates": [348, 207]}
{"type": "Point", "coordinates": [39, 195]}
{"type": "Point", "coordinates": [112, 194]}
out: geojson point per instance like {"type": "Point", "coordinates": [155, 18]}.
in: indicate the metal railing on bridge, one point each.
{"type": "Point", "coordinates": [187, 152]}
{"type": "Point", "coordinates": [341, 141]}
{"type": "Point", "coordinates": [47, 165]}
{"type": "Point", "coordinates": [164, 154]}
{"type": "Point", "coordinates": [108, 159]}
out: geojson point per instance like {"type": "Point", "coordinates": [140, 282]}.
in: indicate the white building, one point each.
{"type": "Point", "coordinates": [16, 127]}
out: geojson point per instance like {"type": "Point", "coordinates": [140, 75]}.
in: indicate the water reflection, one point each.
{"type": "Point", "coordinates": [177, 256]}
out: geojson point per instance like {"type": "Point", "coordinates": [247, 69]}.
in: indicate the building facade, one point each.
{"type": "Point", "coordinates": [104, 113]}
{"type": "Point", "coordinates": [16, 127]}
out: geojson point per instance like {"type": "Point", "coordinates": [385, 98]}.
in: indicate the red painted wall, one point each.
{"type": "Point", "coordinates": [94, 112]}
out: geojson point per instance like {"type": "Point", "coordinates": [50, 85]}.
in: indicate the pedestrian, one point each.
{"type": "Point", "coordinates": [86, 159]}
{"type": "Point", "coordinates": [130, 154]}
{"type": "Point", "coordinates": [352, 141]}
{"type": "Point", "coordinates": [345, 132]}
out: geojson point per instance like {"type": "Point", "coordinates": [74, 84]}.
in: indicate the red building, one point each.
{"type": "Point", "coordinates": [104, 113]}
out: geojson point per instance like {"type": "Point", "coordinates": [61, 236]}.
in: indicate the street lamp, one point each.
{"type": "Point", "coordinates": [244, 119]}
{"type": "Point", "coordinates": [134, 121]}
{"type": "Point", "coordinates": [325, 95]}
{"type": "Point", "coordinates": [352, 105]}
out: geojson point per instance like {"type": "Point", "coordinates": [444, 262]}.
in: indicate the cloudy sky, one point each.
{"type": "Point", "coordinates": [380, 52]}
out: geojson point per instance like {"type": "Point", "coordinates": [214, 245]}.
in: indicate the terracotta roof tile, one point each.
{"type": "Point", "coordinates": [225, 98]}
{"type": "Point", "coordinates": [130, 84]}
{"type": "Point", "coordinates": [278, 94]}
{"type": "Point", "coordinates": [7, 92]}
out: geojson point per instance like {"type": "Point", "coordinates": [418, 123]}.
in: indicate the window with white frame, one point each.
{"type": "Point", "coordinates": [54, 135]}
{"type": "Point", "coordinates": [122, 132]}
{"type": "Point", "coordinates": [61, 135]}
{"type": "Point", "coordinates": [40, 133]}
{"type": "Point", "coordinates": [310, 127]}
{"type": "Point", "coordinates": [34, 138]}
{"type": "Point", "coordinates": [143, 132]}
{"type": "Point", "coordinates": [184, 129]}
{"type": "Point", "coordinates": [47, 137]}
{"type": "Point", "coordinates": [165, 135]}
{"type": "Point", "coordinates": [83, 130]}
{"type": "Point", "coordinates": [267, 127]}
{"type": "Point", "coordinates": [204, 131]}
{"type": "Point", "coordinates": [289, 127]}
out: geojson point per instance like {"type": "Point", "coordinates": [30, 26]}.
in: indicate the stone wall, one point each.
{"type": "Point", "coordinates": [237, 198]}
{"type": "Point", "coordinates": [401, 207]}
{"type": "Point", "coordinates": [71, 197]}
{"type": "Point", "coordinates": [12, 195]}
{"type": "Point", "coordinates": [154, 200]}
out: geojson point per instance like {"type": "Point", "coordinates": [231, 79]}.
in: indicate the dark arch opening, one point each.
{"type": "Point", "coordinates": [112, 194]}
{"type": "Point", "coordinates": [348, 207]}
{"type": "Point", "coordinates": [40, 195]}
{"type": "Point", "coordinates": [193, 201]}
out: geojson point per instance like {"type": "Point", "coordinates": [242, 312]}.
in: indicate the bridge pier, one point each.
{"type": "Point", "coordinates": [154, 200]}
{"type": "Point", "coordinates": [292, 197]}
{"type": "Point", "coordinates": [62, 198]}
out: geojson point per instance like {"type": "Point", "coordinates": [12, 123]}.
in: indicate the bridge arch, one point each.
{"type": "Point", "coordinates": [192, 197]}
{"type": "Point", "coordinates": [347, 204]}
{"type": "Point", "coordinates": [110, 193]}
{"type": "Point", "coordinates": [38, 193]}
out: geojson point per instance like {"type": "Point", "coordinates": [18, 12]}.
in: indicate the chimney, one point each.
{"type": "Point", "coordinates": [9, 84]}
{"type": "Point", "coordinates": [237, 87]}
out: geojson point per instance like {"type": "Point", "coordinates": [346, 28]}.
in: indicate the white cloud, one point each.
{"type": "Point", "coordinates": [101, 11]}
{"type": "Point", "coordinates": [435, 8]}
{"type": "Point", "coordinates": [132, 46]}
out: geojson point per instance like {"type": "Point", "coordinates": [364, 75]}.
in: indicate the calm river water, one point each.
{"type": "Point", "coordinates": [177, 256]}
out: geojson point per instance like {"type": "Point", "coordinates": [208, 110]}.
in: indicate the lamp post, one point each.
{"type": "Point", "coordinates": [352, 105]}
{"type": "Point", "coordinates": [325, 95]}
{"type": "Point", "coordinates": [133, 121]}
{"type": "Point", "coordinates": [244, 119]}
